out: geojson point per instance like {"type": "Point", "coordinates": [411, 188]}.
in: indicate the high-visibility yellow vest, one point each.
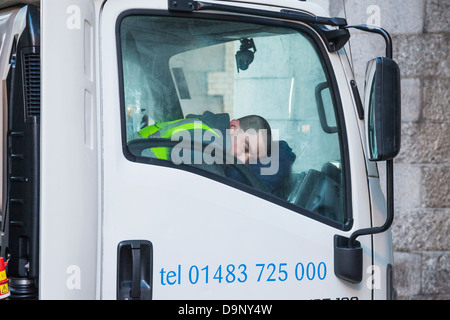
{"type": "Point", "coordinates": [166, 129]}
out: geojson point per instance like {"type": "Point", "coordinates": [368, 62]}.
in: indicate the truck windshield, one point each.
{"type": "Point", "coordinates": [238, 101]}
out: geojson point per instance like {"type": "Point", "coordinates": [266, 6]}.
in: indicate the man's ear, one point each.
{"type": "Point", "coordinates": [234, 124]}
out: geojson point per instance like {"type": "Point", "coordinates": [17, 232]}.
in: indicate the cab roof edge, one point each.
{"type": "Point", "coordinates": [191, 6]}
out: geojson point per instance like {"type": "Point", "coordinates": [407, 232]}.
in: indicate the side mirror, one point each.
{"type": "Point", "coordinates": [383, 119]}
{"type": "Point", "coordinates": [382, 109]}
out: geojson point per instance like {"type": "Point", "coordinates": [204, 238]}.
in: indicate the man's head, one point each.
{"type": "Point", "coordinates": [251, 138]}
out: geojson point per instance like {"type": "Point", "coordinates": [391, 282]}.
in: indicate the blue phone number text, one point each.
{"type": "Point", "coordinates": [241, 273]}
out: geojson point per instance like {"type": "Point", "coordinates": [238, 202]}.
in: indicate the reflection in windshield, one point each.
{"type": "Point", "coordinates": [234, 97]}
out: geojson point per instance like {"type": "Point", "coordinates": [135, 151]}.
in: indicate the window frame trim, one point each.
{"type": "Point", "coordinates": [329, 73]}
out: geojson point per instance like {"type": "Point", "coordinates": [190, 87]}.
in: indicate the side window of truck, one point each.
{"type": "Point", "coordinates": [185, 82]}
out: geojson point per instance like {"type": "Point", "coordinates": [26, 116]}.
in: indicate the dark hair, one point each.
{"type": "Point", "coordinates": [257, 123]}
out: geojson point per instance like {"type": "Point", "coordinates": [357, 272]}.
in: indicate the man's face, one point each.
{"type": "Point", "coordinates": [249, 145]}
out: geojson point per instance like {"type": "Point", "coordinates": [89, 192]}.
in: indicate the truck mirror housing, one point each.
{"type": "Point", "coordinates": [382, 109]}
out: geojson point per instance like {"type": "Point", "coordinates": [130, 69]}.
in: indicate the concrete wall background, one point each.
{"type": "Point", "coordinates": [420, 31]}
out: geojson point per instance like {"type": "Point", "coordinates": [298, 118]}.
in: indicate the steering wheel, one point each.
{"type": "Point", "coordinates": [138, 145]}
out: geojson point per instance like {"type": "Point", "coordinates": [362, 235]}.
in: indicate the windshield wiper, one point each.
{"type": "Point", "coordinates": [191, 6]}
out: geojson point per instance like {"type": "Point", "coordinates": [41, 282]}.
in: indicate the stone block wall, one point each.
{"type": "Point", "coordinates": [420, 32]}
{"type": "Point", "coordinates": [421, 231]}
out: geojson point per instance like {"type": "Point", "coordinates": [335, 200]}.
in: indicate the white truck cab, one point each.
{"type": "Point", "coordinates": [122, 177]}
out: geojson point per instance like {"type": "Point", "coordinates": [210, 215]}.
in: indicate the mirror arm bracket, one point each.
{"type": "Point", "coordinates": [348, 260]}
{"type": "Point", "coordinates": [380, 31]}
{"type": "Point", "coordinates": [390, 207]}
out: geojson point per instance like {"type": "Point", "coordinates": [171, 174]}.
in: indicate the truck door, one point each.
{"type": "Point", "coordinates": [181, 220]}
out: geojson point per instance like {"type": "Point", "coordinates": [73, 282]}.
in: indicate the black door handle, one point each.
{"type": "Point", "coordinates": [134, 270]}
{"type": "Point", "coordinates": [136, 275]}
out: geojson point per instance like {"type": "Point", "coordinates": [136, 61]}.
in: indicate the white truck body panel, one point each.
{"type": "Point", "coordinates": [70, 200]}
